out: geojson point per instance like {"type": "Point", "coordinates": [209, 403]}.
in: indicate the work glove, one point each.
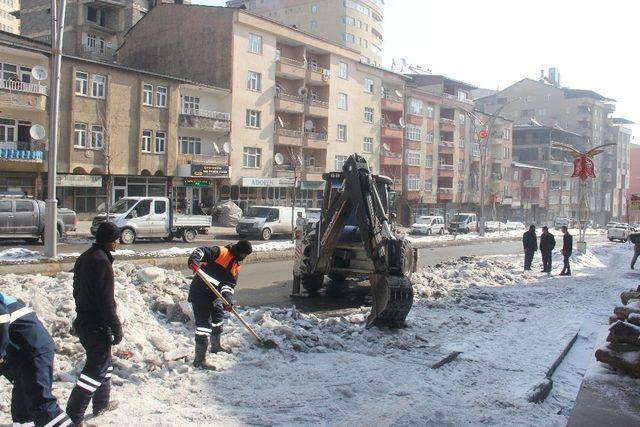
{"type": "Point", "coordinates": [229, 297]}
{"type": "Point", "coordinates": [117, 336]}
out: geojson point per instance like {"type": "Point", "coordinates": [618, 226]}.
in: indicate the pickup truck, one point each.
{"type": "Point", "coordinates": [619, 232]}
{"type": "Point", "coordinates": [152, 217]}
{"type": "Point", "coordinates": [24, 219]}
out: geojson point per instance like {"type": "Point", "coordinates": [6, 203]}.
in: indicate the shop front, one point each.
{"type": "Point", "coordinates": [19, 184]}
{"type": "Point", "coordinates": [85, 194]}
{"type": "Point", "coordinates": [197, 190]}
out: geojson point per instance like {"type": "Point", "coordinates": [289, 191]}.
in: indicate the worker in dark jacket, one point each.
{"type": "Point", "coordinates": [567, 249]}
{"type": "Point", "coordinates": [547, 243]}
{"type": "Point", "coordinates": [26, 359]}
{"type": "Point", "coordinates": [223, 264]}
{"type": "Point", "coordinates": [530, 244]}
{"type": "Point", "coordinates": [635, 239]}
{"type": "Point", "coordinates": [96, 324]}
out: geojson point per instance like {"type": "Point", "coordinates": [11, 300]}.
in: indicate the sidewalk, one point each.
{"type": "Point", "coordinates": [83, 231]}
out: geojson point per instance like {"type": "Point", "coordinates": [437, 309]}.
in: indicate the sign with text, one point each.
{"type": "Point", "coordinates": [78, 181]}
{"type": "Point", "coordinates": [634, 202]}
{"type": "Point", "coordinates": [267, 182]}
{"type": "Point", "coordinates": [210, 171]}
{"type": "Point", "coordinates": [197, 182]}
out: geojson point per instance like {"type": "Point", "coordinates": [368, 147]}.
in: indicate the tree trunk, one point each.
{"type": "Point", "coordinates": [622, 332]}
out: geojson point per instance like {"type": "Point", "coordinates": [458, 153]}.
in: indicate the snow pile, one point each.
{"type": "Point", "coordinates": [19, 254]}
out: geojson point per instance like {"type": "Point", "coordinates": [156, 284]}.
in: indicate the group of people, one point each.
{"type": "Point", "coordinates": [547, 244]}
{"type": "Point", "coordinates": [27, 350]}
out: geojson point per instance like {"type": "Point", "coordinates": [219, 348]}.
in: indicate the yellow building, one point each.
{"type": "Point", "coordinates": [8, 22]}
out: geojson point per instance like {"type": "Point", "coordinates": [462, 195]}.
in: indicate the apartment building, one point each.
{"type": "Point", "coordinates": [634, 183]}
{"type": "Point", "coordinates": [93, 29]}
{"type": "Point", "coordinates": [300, 105]}
{"type": "Point", "coordinates": [356, 24]}
{"type": "Point", "coordinates": [8, 19]}
{"type": "Point", "coordinates": [583, 112]}
{"type": "Point", "coordinates": [528, 193]}
{"type": "Point", "coordinates": [620, 165]}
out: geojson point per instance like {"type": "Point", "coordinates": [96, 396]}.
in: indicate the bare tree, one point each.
{"type": "Point", "coordinates": [108, 153]}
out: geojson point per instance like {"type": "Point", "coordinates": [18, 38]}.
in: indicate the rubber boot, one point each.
{"type": "Point", "coordinates": [216, 347]}
{"type": "Point", "coordinates": [101, 401]}
{"type": "Point", "coordinates": [77, 405]}
{"type": "Point", "coordinates": [200, 359]}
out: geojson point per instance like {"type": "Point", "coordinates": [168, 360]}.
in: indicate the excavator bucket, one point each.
{"type": "Point", "coordinates": [392, 300]}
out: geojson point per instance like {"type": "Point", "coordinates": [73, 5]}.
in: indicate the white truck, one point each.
{"type": "Point", "coordinates": [152, 217]}
{"type": "Point", "coordinates": [619, 232]}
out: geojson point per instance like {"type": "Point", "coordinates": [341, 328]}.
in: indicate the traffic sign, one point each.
{"type": "Point", "coordinates": [482, 134]}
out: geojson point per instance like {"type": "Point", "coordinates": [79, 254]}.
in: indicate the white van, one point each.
{"type": "Point", "coordinates": [265, 221]}
{"type": "Point", "coordinates": [463, 223]}
{"type": "Point", "coordinates": [428, 225]}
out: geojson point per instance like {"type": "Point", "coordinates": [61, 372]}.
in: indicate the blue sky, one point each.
{"type": "Point", "coordinates": [495, 43]}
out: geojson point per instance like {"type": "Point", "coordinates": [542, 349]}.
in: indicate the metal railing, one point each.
{"type": "Point", "coordinates": [455, 98]}
{"type": "Point", "coordinates": [289, 132]}
{"type": "Point", "coordinates": [447, 121]}
{"type": "Point", "coordinates": [13, 150]}
{"type": "Point", "coordinates": [291, 61]}
{"type": "Point", "coordinates": [206, 113]}
{"type": "Point", "coordinates": [319, 103]}
{"type": "Point", "coordinates": [391, 97]}
{"type": "Point", "coordinates": [289, 97]}
{"type": "Point", "coordinates": [317, 69]}
{"type": "Point", "coordinates": [204, 158]}
{"type": "Point", "coordinates": [316, 135]}
{"type": "Point", "coordinates": [449, 144]}
{"type": "Point", "coordinates": [314, 169]}
{"type": "Point", "coordinates": [445, 190]}
{"type": "Point", "coordinates": [23, 87]}
{"type": "Point", "coordinates": [392, 154]}
{"type": "Point", "coordinates": [392, 126]}
{"type": "Point", "coordinates": [98, 50]}
{"type": "Point", "coordinates": [445, 166]}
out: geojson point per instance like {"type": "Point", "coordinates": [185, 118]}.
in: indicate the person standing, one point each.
{"type": "Point", "coordinates": [530, 245]}
{"type": "Point", "coordinates": [97, 323]}
{"type": "Point", "coordinates": [567, 249]}
{"type": "Point", "coordinates": [26, 360]}
{"type": "Point", "coordinates": [223, 264]}
{"type": "Point", "coordinates": [547, 243]}
{"type": "Point", "coordinates": [635, 238]}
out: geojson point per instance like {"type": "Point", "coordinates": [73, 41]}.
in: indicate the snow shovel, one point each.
{"type": "Point", "coordinates": [211, 283]}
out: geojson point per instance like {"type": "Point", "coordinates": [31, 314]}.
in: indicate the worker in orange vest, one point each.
{"type": "Point", "coordinates": [223, 264]}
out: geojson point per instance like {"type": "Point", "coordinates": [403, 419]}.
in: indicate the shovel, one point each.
{"type": "Point", "coordinates": [212, 283]}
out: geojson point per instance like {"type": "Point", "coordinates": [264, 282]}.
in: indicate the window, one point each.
{"type": "Point", "coordinates": [339, 162]}
{"type": "Point", "coordinates": [348, 37]}
{"type": "Point", "coordinates": [161, 140]}
{"type": "Point", "coordinates": [476, 148]}
{"type": "Point", "coordinates": [159, 207]}
{"type": "Point", "coordinates": [430, 111]}
{"type": "Point", "coordinates": [5, 206]}
{"type": "Point", "coordinates": [356, 5]}
{"type": "Point", "coordinates": [461, 119]}
{"type": "Point", "coordinates": [429, 162]}
{"type": "Point", "coordinates": [314, 25]}
{"type": "Point", "coordinates": [342, 101]}
{"type": "Point", "coordinates": [254, 81]}
{"type": "Point", "coordinates": [251, 157]}
{"type": "Point", "coordinates": [515, 175]}
{"type": "Point", "coordinates": [342, 133]}
{"type": "Point", "coordinates": [368, 114]}
{"type": "Point", "coordinates": [80, 132]}
{"type": "Point", "coordinates": [430, 137]}
{"type": "Point", "coordinates": [506, 152]}
{"type": "Point", "coordinates": [161, 97]}
{"type": "Point", "coordinates": [413, 132]}
{"type": "Point", "coordinates": [314, 8]}
{"type": "Point", "coordinates": [415, 107]}
{"type": "Point", "coordinates": [97, 86]}
{"type": "Point", "coordinates": [143, 208]}
{"type": "Point", "coordinates": [146, 141]}
{"type": "Point", "coordinates": [7, 130]}
{"type": "Point", "coordinates": [255, 44]}
{"type": "Point", "coordinates": [97, 137]}
{"type": "Point", "coordinates": [461, 143]}
{"type": "Point", "coordinates": [189, 145]}
{"type": "Point", "coordinates": [253, 119]}
{"type": "Point", "coordinates": [82, 83]}
{"type": "Point", "coordinates": [368, 85]}
{"type": "Point", "coordinates": [343, 70]}
{"type": "Point", "coordinates": [413, 182]}
{"type": "Point", "coordinates": [428, 185]}
{"type": "Point", "coordinates": [461, 165]}
{"type": "Point", "coordinates": [413, 157]}
{"type": "Point", "coordinates": [147, 95]}
{"type": "Point", "coordinates": [460, 186]}
{"type": "Point", "coordinates": [24, 206]}
{"type": "Point", "coordinates": [348, 20]}
{"type": "Point", "coordinates": [190, 104]}
{"type": "Point", "coordinates": [367, 145]}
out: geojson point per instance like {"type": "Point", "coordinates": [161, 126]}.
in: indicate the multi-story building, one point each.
{"type": "Point", "coordinates": [356, 24]}
{"type": "Point", "coordinates": [528, 192]}
{"type": "Point", "coordinates": [580, 111]}
{"type": "Point", "coordinates": [300, 105]}
{"type": "Point", "coordinates": [8, 19]}
{"type": "Point", "coordinates": [634, 182]}
{"type": "Point", "coordinates": [93, 29]}
{"type": "Point", "coordinates": [620, 165]}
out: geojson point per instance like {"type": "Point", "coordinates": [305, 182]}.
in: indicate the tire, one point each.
{"type": "Point", "coordinates": [428, 232]}
{"type": "Point", "coordinates": [168, 238]}
{"type": "Point", "coordinates": [266, 234]}
{"type": "Point", "coordinates": [313, 282]}
{"type": "Point", "coordinates": [127, 236]}
{"type": "Point", "coordinates": [189, 235]}
{"type": "Point", "coordinates": [337, 277]}
{"type": "Point", "coordinates": [32, 240]}
{"type": "Point", "coordinates": [441, 232]}
{"type": "Point", "coordinates": [401, 258]}
{"type": "Point", "coordinates": [610, 239]}
{"type": "Point", "coordinates": [58, 237]}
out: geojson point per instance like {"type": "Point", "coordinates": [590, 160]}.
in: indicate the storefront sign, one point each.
{"type": "Point", "coordinates": [634, 202]}
{"type": "Point", "coordinates": [312, 185]}
{"type": "Point", "coordinates": [78, 181]}
{"type": "Point", "coordinates": [507, 201]}
{"type": "Point", "coordinates": [267, 182]}
{"type": "Point", "coordinates": [210, 171]}
{"type": "Point", "coordinates": [197, 182]}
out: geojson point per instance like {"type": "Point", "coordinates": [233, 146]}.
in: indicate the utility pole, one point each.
{"type": "Point", "coordinates": [57, 32]}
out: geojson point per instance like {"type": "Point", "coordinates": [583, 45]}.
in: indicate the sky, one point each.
{"type": "Point", "coordinates": [495, 43]}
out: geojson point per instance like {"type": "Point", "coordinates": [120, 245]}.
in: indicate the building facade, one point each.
{"type": "Point", "coordinates": [8, 19]}
{"type": "Point", "coordinates": [634, 182]}
{"type": "Point", "coordinates": [356, 24]}
{"type": "Point", "coordinates": [529, 195]}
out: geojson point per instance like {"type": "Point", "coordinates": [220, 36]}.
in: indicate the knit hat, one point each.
{"type": "Point", "coordinates": [107, 232]}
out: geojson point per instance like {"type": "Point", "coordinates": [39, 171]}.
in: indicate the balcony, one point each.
{"type": "Point", "coordinates": [445, 170]}
{"type": "Point", "coordinates": [390, 130]}
{"type": "Point", "coordinates": [98, 52]}
{"type": "Point", "coordinates": [290, 103]}
{"type": "Point", "coordinates": [318, 75]}
{"type": "Point", "coordinates": [288, 137]}
{"type": "Point", "coordinates": [283, 171]}
{"type": "Point", "coordinates": [446, 147]}
{"type": "Point", "coordinates": [452, 97]}
{"type": "Point", "coordinates": [20, 95]}
{"type": "Point", "coordinates": [317, 108]}
{"type": "Point", "coordinates": [206, 120]}
{"type": "Point", "coordinates": [315, 140]}
{"type": "Point", "coordinates": [447, 124]}
{"type": "Point", "coordinates": [414, 120]}
{"type": "Point", "coordinates": [289, 68]}
{"type": "Point", "coordinates": [20, 152]}
{"type": "Point", "coordinates": [204, 159]}
{"type": "Point", "coordinates": [445, 194]}
{"type": "Point", "coordinates": [390, 158]}
{"type": "Point", "coordinates": [313, 173]}
{"type": "Point", "coordinates": [392, 103]}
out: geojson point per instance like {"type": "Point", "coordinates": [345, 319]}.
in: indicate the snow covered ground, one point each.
{"type": "Point", "coordinates": [508, 325]}
{"type": "Point", "coordinates": [416, 238]}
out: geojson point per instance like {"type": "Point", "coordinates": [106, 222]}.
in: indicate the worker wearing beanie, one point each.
{"type": "Point", "coordinates": [96, 324]}
{"type": "Point", "coordinates": [223, 264]}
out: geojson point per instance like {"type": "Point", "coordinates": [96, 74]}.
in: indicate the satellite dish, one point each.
{"type": "Point", "coordinates": [39, 72]}
{"type": "Point", "coordinates": [309, 126]}
{"type": "Point", "coordinates": [302, 91]}
{"type": "Point", "coordinates": [37, 132]}
{"type": "Point", "coordinates": [226, 147]}
{"type": "Point", "coordinates": [215, 147]}
{"type": "Point", "coordinates": [278, 158]}
{"type": "Point", "coordinates": [402, 123]}
{"type": "Point", "coordinates": [398, 93]}
{"type": "Point", "coordinates": [386, 146]}
{"type": "Point", "coordinates": [280, 121]}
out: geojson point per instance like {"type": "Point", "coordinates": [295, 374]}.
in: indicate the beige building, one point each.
{"type": "Point", "coordinates": [356, 24]}
{"type": "Point", "coordinates": [8, 21]}
{"type": "Point", "coordinates": [300, 105]}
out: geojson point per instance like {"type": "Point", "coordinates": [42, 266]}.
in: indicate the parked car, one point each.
{"type": "Point", "coordinates": [149, 217]}
{"type": "Point", "coordinates": [313, 214]}
{"type": "Point", "coordinates": [561, 222]}
{"type": "Point", "coordinates": [463, 223]}
{"type": "Point", "coordinates": [610, 225]}
{"type": "Point", "coordinates": [265, 221]}
{"type": "Point", "coordinates": [514, 225]}
{"type": "Point", "coordinates": [428, 225]}
{"type": "Point", "coordinates": [24, 218]}
{"type": "Point", "coordinates": [619, 232]}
